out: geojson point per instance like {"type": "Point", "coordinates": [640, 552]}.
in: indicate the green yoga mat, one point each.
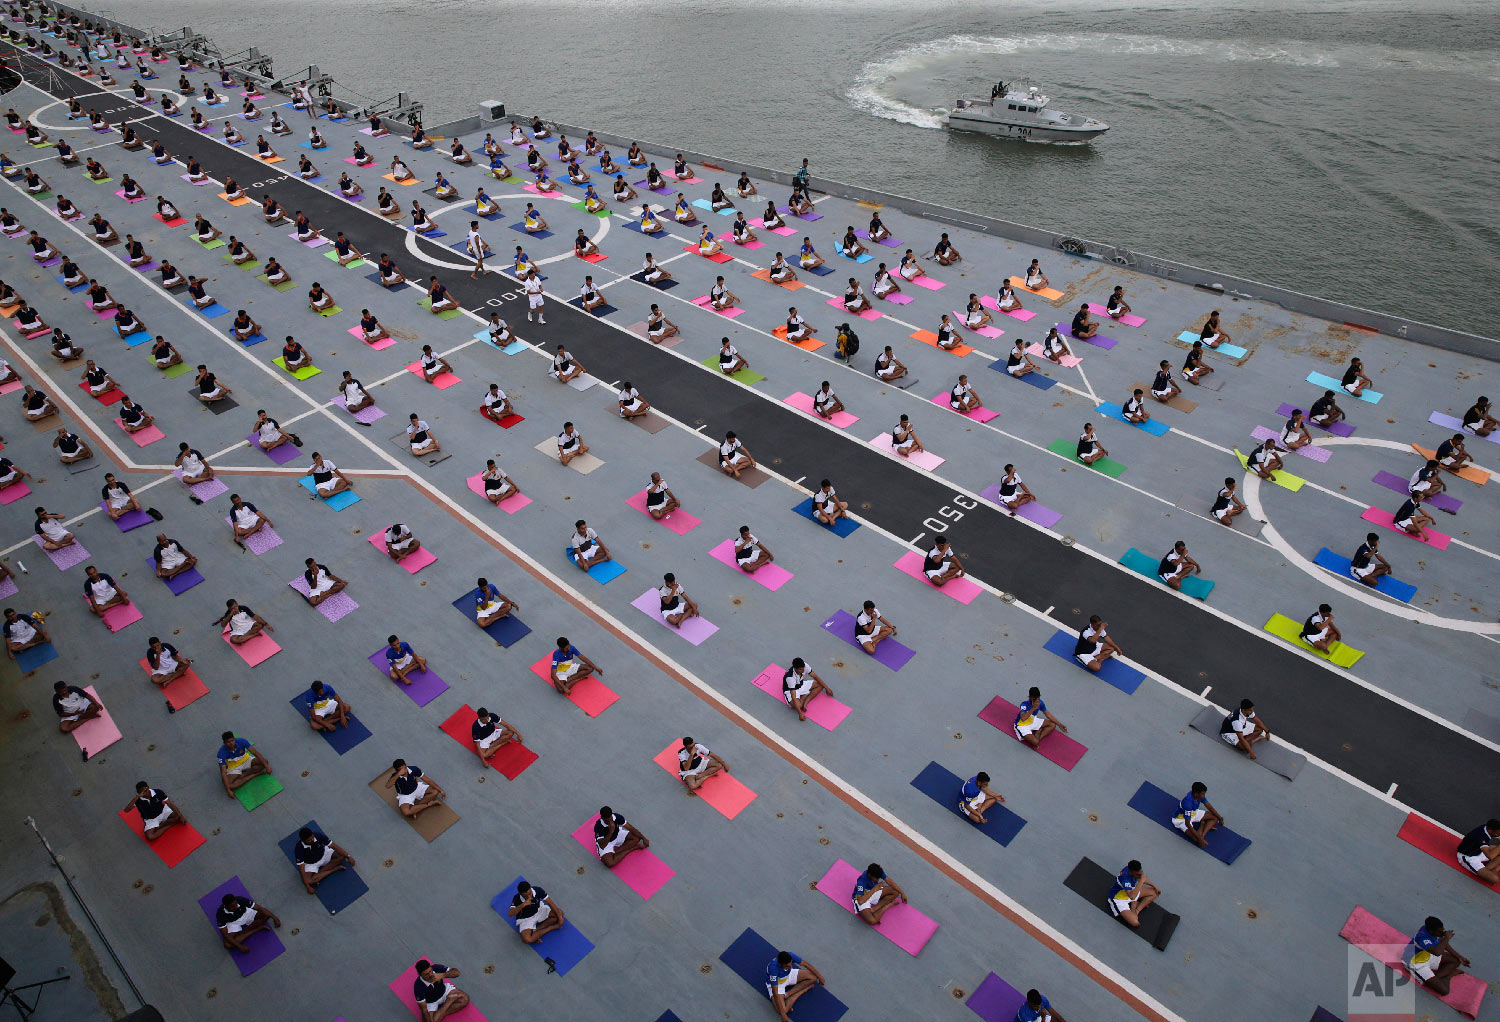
{"type": "Point", "coordinates": [257, 791]}
{"type": "Point", "coordinates": [352, 264]}
{"type": "Point", "coordinates": [1284, 627]}
{"type": "Point", "coordinates": [285, 285]}
{"type": "Point", "coordinates": [248, 264]}
{"type": "Point", "coordinates": [1281, 477]}
{"type": "Point", "coordinates": [749, 376]}
{"type": "Point", "coordinates": [1069, 449]}
{"type": "Point", "coordinates": [583, 207]}
{"type": "Point", "coordinates": [216, 243]}
{"type": "Point", "coordinates": [426, 303]}
{"type": "Point", "coordinates": [172, 372]}
{"type": "Point", "coordinates": [306, 373]}
{"type": "Point", "coordinates": [1196, 587]}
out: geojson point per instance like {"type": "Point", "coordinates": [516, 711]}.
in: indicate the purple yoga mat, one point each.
{"type": "Point", "coordinates": [1098, 340]}
{"type": "Point", "coordinates": [1337, 429]}
{"type": "Point", "coordinates": [694, 629]}
{"type": "Point", "coordinates": [425, 686]}
{"type": "Point", "coordinates": [337, 606]}
{"type": "Point", "coordinates": [1032, 512]}
{"type": "Point", "coordinates": [281, 455]}
{"type": "Point", "coordinates": [260, 542]}
{"type": "Point", "coordinates": [365, 415]}
{"type": "Point", "coordinates": [204, 491]}
{"type": "Point", "coordinates": [178, 584]}
{"type": "Point", "coordinates": [996, 1000]}
{"type": "Point", "coordinates": [890, 652]}
{"type": "Point", "coordinates": [65, 558]}
{"type": "Point", "coordinates": [129, 520]}
{"type": "Point", "coordinates": [1441, 501]}
{"type": "Point", "coordinates": [1310, 452]}
{"type": "Point", "coordinates": [263, 947]}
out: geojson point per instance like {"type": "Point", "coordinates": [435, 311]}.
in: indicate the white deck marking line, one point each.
{"type": "Point", "coordinates": [1209, 688]}
{"type": "Point", "coordinates": [1392, 789]}
{"type": "Point", "coordinates": [1049, 610]}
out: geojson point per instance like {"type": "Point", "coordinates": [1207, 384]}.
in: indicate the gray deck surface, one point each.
{"type": "Point", "coordinates": [1322, 844]}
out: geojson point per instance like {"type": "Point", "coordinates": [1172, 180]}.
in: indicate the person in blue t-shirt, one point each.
{"type": "Point", "coordinates": [569, 666]}
{"type": "Point", "coordinates": [1033, 720]}
{"type": "Point", "coordinates": [1434, 961]}
{"type": "Point", "coordinates": [1037, 1009]}
{"type": "Point", "coordinates": [785, 981]}
{"type": "Point", "coordinates": [975, 797]}
{"type": "Point", "coordinates": [326, 709]}
{"type": "Point", "coordinates": [401, 659]}
{"type": "Point", "coordinates": [1131, 893]}
{"type": "Point", "coordinates": [1196, 815]}
{"type": "Point", "coordinates": [239, 761]}
{"type": "Point", "coordinates": [875, 894]}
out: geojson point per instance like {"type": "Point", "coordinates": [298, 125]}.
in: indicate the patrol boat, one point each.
{"type": "Point", "coordinates": [1019, 110]}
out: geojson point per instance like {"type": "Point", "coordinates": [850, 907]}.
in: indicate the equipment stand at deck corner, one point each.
{"type": "Point", "coordinates": [12, 995]}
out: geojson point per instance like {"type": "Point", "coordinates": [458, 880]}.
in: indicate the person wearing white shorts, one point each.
{"type": "Point", "coordinates": [1243, 728]}
{"type": "Point", "coordinates": [1479, 851]}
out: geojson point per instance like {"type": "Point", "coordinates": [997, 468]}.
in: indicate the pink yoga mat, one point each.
{"type": "Point", "coordinates": [980, 414]}
{"type": "Point", "coordinates": [1384, 943]}
{"type": "Point", "coordinates": [510, 505]}
{"type": "Point", "coordinates": [1129, 319]}
{"type": "Point", "coordinates": [590, 695]}
{"type": "Point", "coordinates": [116, 618]}
{"type": "Point", "coordinates": [96, 735]}
{"type": "Point", "coordinates": [1433, 538]}
{"type": "Point", "coordinates": [722, 791]}
{"type": "Point", "coordinates": [903, 925]}
{"type": "Point", "coordinates": [257, 651]}
{"type": "Point", "coordinates": [679, 521]}
{"type": "Point", "coordinates": [14, 492]}
{"type": "Point", "coordinates": [732, 312]}
{"type": "Point", "coordinates": [804, 403]}
{"type": "Point", "coordinates": [824, 710]}
{"type": "Point", "coordinates": [961, 589]}
{"type": "Point", "coordinates": [993, 304]}
{"type": "Point", "coordinates": [1312, 452]}
{"type": "Point", "coordinates": [442, 381]}
{"type": "Point", "coordinates": [401, 987]}
{"type": "Point", "coordinates": [983, 331]}
{"type": "Point", "coordinates": [1067, 361]}
{"type": "Point", "coordinates": [694, 629]}
{"type": "Point", "coordinates": [184, 691]}
{"type": "Point", "coordinates": [1057, 747]}
{"type": "Point", "coordinates": [641, 870]}
{"type": "Point", "coordinates": [838, 303]}
{"type": "Point", "coordinates": [69, 556]}
{"type": "Point", "coordinates": [413, 562]}
{"type": "Point", "coordinates": [358, 334]}
{"type": "Point", "coordinates": [898, 298]}
{"type": "Point", "coordinates": [927, 282]}
{"type": "Point", "coordinates": [142, 437]}
{"type": "Point", "coordinates": [922, 459]}
{"type": "Point", "coordinates": [772, 576]}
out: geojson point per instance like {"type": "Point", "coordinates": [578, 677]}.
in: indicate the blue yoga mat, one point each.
{"type": "Point", "coordinates": [565, 947]}
{"type": "Point", "coordinates": [660, 285]}
{"type": "Point", "coordinates": [1343, 566]}
{"type": "Point", "coordinates": [943, 785]}
{"type": "Point", "coordinates": [520, 225]}
{"type": "Point", "coordinates": [1126, 679]}
{"type": "Point", "coordinates": [508, 631]}
{"type": "Point", "coordinates": [339, 501]}
{"type": "Point", "coordinates": [1034, 379]}
{"type": "Point", "coordinates": [821, 271]}
{"type": "Point", "coordinates": [1153, 426]}
{"type": "Point", "coordinates": [604, 573]}
{"type": "Point", "coordinates": [34, 657]}
{"type": "Point", "coordinates": [1156, 804]}
{"type": "Point", "coordinates": [748, 957]}
{"type": "Point", "coordinates": [374, 278]}
{"type": "Point", "coordinates": [1329, 383]}
{"type": "Point", "coordinates": [1232, 350]}
{"type": "Point", "coordinates": [137, 338]}
{"type": "Point", "coordinates": [841, 526]}
{"type": "Point", "coordinates": [81, 287]}
{"type": "Point", "coordinates": [598, 310]}
{"type": "Point", "coordinates": [342, 740]}
{"type": "Point", "coordinates": [252, 340]}
{"type": "Point", "coordinates": [339, 889]}
{"type": "Point", "coordinates": [863, 257]}
{"type": "Point", "coordinates": [1194, 586]}
{"type": "Point", "coordinates": [213, 311]}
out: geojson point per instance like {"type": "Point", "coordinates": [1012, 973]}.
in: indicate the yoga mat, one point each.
{"type": "Point", "coordinates": [930, 338]}
{"type": "Point", "coordinates": [425, 685]}
{"type": "Point", "coordinates": [983, 331]}
{"type": "Point", "coordinates": [1343, 566]}
{"type": "Point", "coordinates": [1129, 319]}
{"type": "Point", "coordinates": [429, 822]}
{"type": "Point", "coordinates": [890, 652]}
{"type": "Point", "coordinates": [280, 455]}
{"type": "Point", "coordinates": [1386, 944]}
{"type": "Point", "coordinates": [1192, 585]}
{"type": "Point", "coordinates": [823, 709]}
{"type": "Point", "coordinates": [442, 381]}
{"type": "Point", "coordinates": [751, 477]}
{"type": "Point", "coordinates": [1031, 379]}
{"type": "Point", "coordinates": [604, 573]}
{"type": "Point", "coordinates": [412, 562]}
{"type": "Point", "coordinates": [1478, 476]}
{"type": "Point", "coordinates": [1069, 449]}
{"type": "Point", "coordinates": [174, 371]}
{"type": "Point", "coordinates": [866, 314]}
{"type": "Point", "coordinates": [1430, 536]}
{"type": "Point", "coordinates": [1153, 426]}
{"type": "Point", "coordinates": [129, 520]}
{"type": "Point", "coordinates": [694, 629]}
{"type": "Point", "coordinates": [804, 403]}
{"type": "Point", "coordinates": [1156, 804]}
{"type": "Point", "coordinates": [590, 695]}
{"type": "Point", "coordinates": [902, 925]}
{"type": "Point", "coordinates": [261, 541]}
{"type": "Point", "coordinates": [1437, 841]}
{"type": "Point", "coordinates": [943, 786]}
{"type": "Point", "coordinates": [597, 311]}
{"type": "Point", "coordinates": [1113, 672]}
{"type": "Point", "coordinates": [176, 843]}
{"type": "Point", "coordinates": [678, 521]}
{"type": "Point", "coordinates": [773, 576]}
{"type": "Point", "coordinates": [339, 889]}
{"type": "Point", "coordinates": [1309, 451]}
{"type": "Point", "coordinates": [887, 242]}
{"type": "Point", "coordinates": [511, 759]}
{"type": "Point", "coordinates": [1098, 340]}
{"type": "Point", "coordinates": [506, 632]}
{"type": "Point", "coordinates": [257, 791]}
{"type": "Point", "coordinates": [116, 618]}
{"type": "Point", "coordinates": [1092, 881]}
{"type": "Point", "coordinates": [747, 958]}
{"type": "Point", "coordinates": [704, 302]}
{"type": "Point", "coordinates": [583, 464]}
{"type": "Point", "coordinates": [996, 1000]}
{"type": "Point", "coordinates": [1051, 294]}
{"type": "Point", "coordinates": [305, 373]}
{"type": "Point", "coordinates": [1057, 747]}
{"type": "Point", "coordinates": [926, 282]}
{"type": "Point", "coordinates": [1232, 350]}
{"type": "Point", "coordinates": [1032, 512]}
{"type": "Point", "coordinates": [261, 948]}
{"type": "Point", "coordinates": [722, 791]}
{"type": "Point", "coordinates": [809, 343]}
{"type": "Point", "coordinates": [340, 740]}
{"type": "Point", "coordinates": [641, 870]}
{"type": "Point", "coordinates": [980, 414]}
{"type": "Point", "coordinates": [29, 659]}
{"type": "Point", "coordinates": [334, 608]}
{"type": "Point", "coordinates": [1454, 423]}
{"type": "Point", "coordinates": [1330, 383]}
{"type": "Point", "coordinates": [841, 527]}
{"type": "Point", "coordinates": [510, 505]}
{"type": "Point", "coordinates": [14, 492]}
{"type": "Point", "coordinates": [1178, 402]}
{"type": "Point", "coordinates": [961, 589]}
{"type": "Point", "coordinates": [94, 736]}
{"type": "Point", "coordinates": [1274, 757]}
{"type": "Point", "coordinates": [401, 986]}
{"type": "Point", "coordinates": [1441, 501]}
{"type": "Point", "coordinates": [1284, 627]}
{"type": "Point", "coordinates": [922, 459]}
{"type": "Point", "coordinates": [143, 437]}
{"type": "Point", "coordinates": [746, 376]}
{"type": "Point", "coordinates": [338, 502]}
{"type": "Point", "coordinates": [563, 948]}
{"type": "Point", "coordinates": [1281, 477]}
{"type": "Point", "coordinates": [67, 557]}
{"type": "Point", "coordinates": [1337, 429]}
